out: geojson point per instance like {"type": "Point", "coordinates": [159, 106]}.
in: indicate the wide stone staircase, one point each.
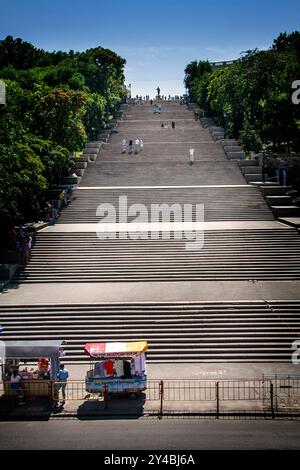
{"type": "Point", "coordinates": [243, 244]}
{"type": "Point", "coordinates": [226, 255]}
{"type": "Point", "coordinates": [242, 203]}
{"type": "Point", "coordinates": [193, 332]}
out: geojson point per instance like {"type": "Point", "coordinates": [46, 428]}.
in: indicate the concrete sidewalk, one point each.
{"type": "Point", "coordinates": [214, 371]}
{"type": "Point", "coordinates": [188, 291]}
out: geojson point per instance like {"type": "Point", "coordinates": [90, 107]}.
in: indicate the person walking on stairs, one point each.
{"type": "Point", "coordinates": [124, 146]}
{"type": "Point", "coordinates": [191, 162]}
{"type": "Point", "coordinates": [137, 145]}
{"type": "Point", "coordinates": [283, 172]}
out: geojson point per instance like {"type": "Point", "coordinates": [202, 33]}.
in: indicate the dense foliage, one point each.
{"type": "Point", "coordinates": [252, 97]}
{"type": "Point", "coordinates": [55, 101]}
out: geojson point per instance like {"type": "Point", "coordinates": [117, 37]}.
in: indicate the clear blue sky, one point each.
{"type": "Point", "coordinates": [156, 38]}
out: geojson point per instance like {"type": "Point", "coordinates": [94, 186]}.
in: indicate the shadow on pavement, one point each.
{"type": "Point", "coordinates": [116, 406]}
{"type": "Point", "coordinates": [31, 410]}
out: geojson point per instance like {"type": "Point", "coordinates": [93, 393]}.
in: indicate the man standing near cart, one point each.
{"type": "Point", "coordinates": [62, 376]}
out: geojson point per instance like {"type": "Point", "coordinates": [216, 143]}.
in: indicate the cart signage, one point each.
{"type": "Point", "coordinates": [116, 349]}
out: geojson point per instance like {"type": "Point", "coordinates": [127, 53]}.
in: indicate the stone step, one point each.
{"type": "Point", "coordinates": [235, 155]}
{"type": "Point", "coordinates": [292, 221]}
{"type": "Point", "coordinates": [92, 157]}
{"type": "Point", "coordinates": [274, 190]}
{"type": "Point", "coordinates": [217, 136]}
{"type": "Point", "coordinates": [232, 148]}
{"type": "Point", "coordinates": [77, 171]}
{"type": "Point", "coordinates": [206, 125]}
{"type": "Point", "coordinates": [264, 184]}
{"type": "Point", "coordinates": [278, 200]}
{"type": "Point", "coordinates": [251, 170]}
{"type": "Point", "coordinates": [93, 145]}
{"type": "Point", "coordinates": [80, 164]}
{"type": "Point", "coordinates": [249, 162]}
{"type": "Point", "coordinates": [91, 150]}
{"type": "Point", "coordinates": [252, 177]}
{"type": "Point", "coordinates": [70, 180]}
{"type": "Point", "coordinates": [217, 129]}
{"type": "Point", "coordinates": [229, 143]}
{"type": "Point", "coordinates": [85, 158]}
{"type": "Point", "coordinates": [286, 211]}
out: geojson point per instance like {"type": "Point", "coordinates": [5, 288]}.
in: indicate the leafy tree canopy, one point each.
{"type": "Point", "coordinates": [55, 102]}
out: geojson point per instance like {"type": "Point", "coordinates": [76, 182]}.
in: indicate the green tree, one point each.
{"type": "Point", "coordinates": [55, 101]}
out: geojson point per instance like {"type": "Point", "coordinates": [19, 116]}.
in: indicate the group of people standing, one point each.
{"type": "Point", "coordinates": [133, 146]}
{"type": "Point", "coordinates": [23, 243]}
{"type": "Point", "coordinates": [51, 213]}
{"type": "Point", "coordinates": [168, 124]}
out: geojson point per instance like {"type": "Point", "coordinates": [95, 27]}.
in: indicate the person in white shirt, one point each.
{"type": "Point", "coordinates": [136, 145]}
{"type": "Point", "coordinates": [191, 163]}
{"type": "Point", "coordinates": [140, 364]}
{"type": "Point", "coordinates": [119, 368]}
{"type": "Point", "coordinates": [124, 146]}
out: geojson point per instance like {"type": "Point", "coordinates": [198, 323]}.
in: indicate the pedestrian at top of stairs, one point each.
{"type": "Point", "coordinates": [191, 152]}
{"type": "Point", "coordinates": [124, 145]}
{"type": "Point", "coordinates": [137, 145]}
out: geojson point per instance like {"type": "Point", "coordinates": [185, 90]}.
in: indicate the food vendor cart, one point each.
{"type": "Point", "coordinates": [118, 368]}
{"type": "Point", "coordinates": [37, 362]}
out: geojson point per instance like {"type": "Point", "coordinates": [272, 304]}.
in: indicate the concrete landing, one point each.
{"type": "Point", "coordinates": [213, 371]}
{"type": "Point", "coordinates": [88, 293]}
{"type": "Point", "coordinates": [162, 173]}
{"type": "Point", "coordinates": [292, 221]}
{"type": "Point", "coordinates": [231, 225]}
{"type": "Point", "coordinates": [142, 188]}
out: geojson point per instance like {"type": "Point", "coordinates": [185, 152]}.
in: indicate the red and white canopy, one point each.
{"type": "Point", "coordinates": [128, 349]}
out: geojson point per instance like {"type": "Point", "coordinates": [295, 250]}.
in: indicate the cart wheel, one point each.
{"type": "Point", "coordinates": [132, 396]}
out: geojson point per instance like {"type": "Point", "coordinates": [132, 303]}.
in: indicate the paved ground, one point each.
{"type": "Point", "coordinates": [84, 293]}
{"type": "Point", "coordinates": [211, 371]}
{"type": "Point", "coordinates": [232, 225]}
{"type": "Point", "coordinates": [150, 434]}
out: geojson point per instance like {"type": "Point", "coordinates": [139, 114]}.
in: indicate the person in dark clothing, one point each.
{"type": "Point", "coordinates": [127, 370]}
{"type": "Point", "coordinates": [283, 172]}
{"type": "Point", "coordinates": [173, 125]}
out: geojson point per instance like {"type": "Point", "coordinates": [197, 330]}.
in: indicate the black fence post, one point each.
{"type": "Point", "coordinates": [105, 395]}
{"type": "Point", "coordinates": [272, 399]}
{"type": "Point", "coordinates": [218, 400]}
{"type": "Point", "coordinates": [161, 393]}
